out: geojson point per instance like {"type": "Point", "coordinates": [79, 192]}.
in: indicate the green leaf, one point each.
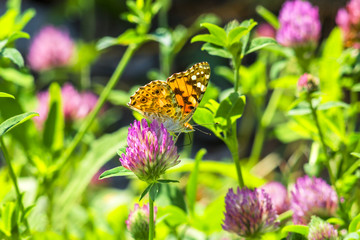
{"type": "Point", "coordinates": [216, 51]}
{"type": "Point", "coordinates": [258, 43]}
{"type": "Point", "coordinates": [355, 224]}
{"type": "Point", "coordinates": [173, 215]}
{"type": "Point", "coordinates": [230, 109]}
{"type": "Point", "coordinates": [14, 55]}
{"type": "Point", "coordinates": [208, 38]}
{"type": "Point", "coordinates": [268, 16]}
{"type": "Point", "coordinates": [191, 187]}
{"type": "Point", "coordinates": [106, 42]}
{"type": "Point", "coordinates": [204, 117]}
{"type": "Point", "coordinates": [7, 215]}
{"type": "Point", "coordinates": [53, 135]}
{"type": "Point", "coordinates": [236, 34]}
{"type": "Point", "coordinates": [352, 236]}
{"type": "Point", "coordinates": [116, 172]}
{"type": "Point", "coordinates": [16, 35]}
{"type": "Point", "coordinates": [147, 189]}
{"type": "Point", "coordinates": [100, 151]}
{"type": "Point", "coordinates": [355, 154]}
{"type": "Point", "coordinates": [167, 181]}
{"type": "Point", "coordinates": [154, 191]}
{"type": "Point", "coordinates": [6, 95]}
{"type": "Point", "coordinates": [285, 215]}
{"type": "Point", "coordinates": [332, 104]}
{"type": "Point", "coordinates": [217, 32]}
{"type": "Point", "coordinates": [171, 194]}
{"type": "Point", "coordinates": [130, 36]}
{"type": "Point", "coordinates": [17, 77]}
{"type": "Point", "coordinates": [250, 24]}
{"type": "Point", "coordinates": [356, 88]}
{"type": "Point", "coordinates": [7, 22]}
{"type": "Point", "coordinates": [25, 18]}
{"type": "Point", "coordinates": [10, 123]}
{"type": "Point", "coordinates": [303, 230]}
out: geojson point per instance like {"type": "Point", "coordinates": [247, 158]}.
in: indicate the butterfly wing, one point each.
{"type": "Point", "coordinates": [189, 88]}
{"type": "Point", "coordinates": [155, 100]}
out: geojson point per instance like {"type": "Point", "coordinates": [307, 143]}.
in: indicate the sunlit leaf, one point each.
{"type": "Point", "coordinates": [303, 230]}
{"type": "Point", "coordinates": [216, 51]}
{"type": "Point", "coordinates": [17, 77]}
{"type": "Point", "coordinates": [14, 55]}
{"type": "Point", "coordinates": [268, 16]}
{"type": "Point", "coordinates": [230, 109]}
{"type": "Point", "coordinates": [6, 95]}
{"type": "Point", "coordinates": [147, 189]}
{"type": "Point", "coordinates": [116, 172]}
{"type": "Point", "coordinates": [53, 134]}
{"type": "Point", "coordinates": [10, 123]}
{"type": "Point", "coordinates": [217, 32]}
{"type": "Point", "coordinates": [259, 43]}
{"type": "Point", "coordinates": [207, 38]}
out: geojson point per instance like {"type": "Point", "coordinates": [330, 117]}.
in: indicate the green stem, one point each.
{"type": "Point", "coordinates": [16, 185]}
{"type": "Point", "coordinates": [232, 144]}
{"type": "Point", "coordinates": [104, 95]}
{"type": "Point", "coordinates": [322, 140]}
{"type": "Point", "coordinates": [151, 219]}
{"type": "Point", "coordinates": [263, 124]}
{"type": "Point", "coordinates": [353, 119]}
{"type": "Point", "coordinates": [237, 65]}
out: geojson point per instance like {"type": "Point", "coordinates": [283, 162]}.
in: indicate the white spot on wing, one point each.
{"type": "Point", "coordinates": [193, 77]}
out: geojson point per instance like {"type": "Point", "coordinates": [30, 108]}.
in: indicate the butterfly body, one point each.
{"type": "Point", "coordinates": [174, 101]}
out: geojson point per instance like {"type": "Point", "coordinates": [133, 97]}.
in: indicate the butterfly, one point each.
{"type": "Point", "coordinates": [174, 101]}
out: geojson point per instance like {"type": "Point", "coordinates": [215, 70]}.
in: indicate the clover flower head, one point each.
{"type": "Point", "coordinates": [312, 196]}
{"type": "Point", "coordinates": [249, 213]}
{"type": "Point", "coordinates": [138, 221]}
{"type": "Point", "coordinates": [279, 196]}
{"type": "Point", "coordinates": [321, 230]}
{"type": "Point", "coordinates": [308, 82]}
{"type": "Point", "coordinates": [299, 24]}
{"type": "Point", "coordinates": [348, 19]}
{"type": "Point", "coordinates": [150, 152]}
{"type": "Point", "coordinates": [51, 47]}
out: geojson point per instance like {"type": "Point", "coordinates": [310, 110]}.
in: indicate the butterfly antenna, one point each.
{"type": "Point", "coordinates": [198, 129]}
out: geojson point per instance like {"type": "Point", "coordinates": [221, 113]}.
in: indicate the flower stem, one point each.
{"type": "Point", "coordinates": [151, 219]}
{"type": "Point", "coordinates": [16, 185]}
{"type": "Point", "coordinates": [327, 162]}
{"type": "Point", "coordinates": [237, 64]}
{"type": "Point", "coordinates": [232, 144]}
{"type": "Point", "coordinates": [263, 124]}
{"type": "Point", "coordinates": [104, 95]}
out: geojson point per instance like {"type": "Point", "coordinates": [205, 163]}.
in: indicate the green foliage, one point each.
{"type": "Point", "coordinates": [219, 117]}
{"type": "Point", "coordinates": [6, 95]}
{"type": "Point", "coordinates": [300, 229]}
{"type": "Point", "coordinates": [12, 122]}
{"type": "Point", "coordinates": [232, 41]}
{"type": "Point", "coordinates": [192, 184]}
{"type": "Point", "coordinates": [53, 134]}
{"type": "Point", "coordinates": [52, 172]}
{"type": "Point", "coordinates": [116, 172]}
{"type": "Point", "coordinates": [268, 16]}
